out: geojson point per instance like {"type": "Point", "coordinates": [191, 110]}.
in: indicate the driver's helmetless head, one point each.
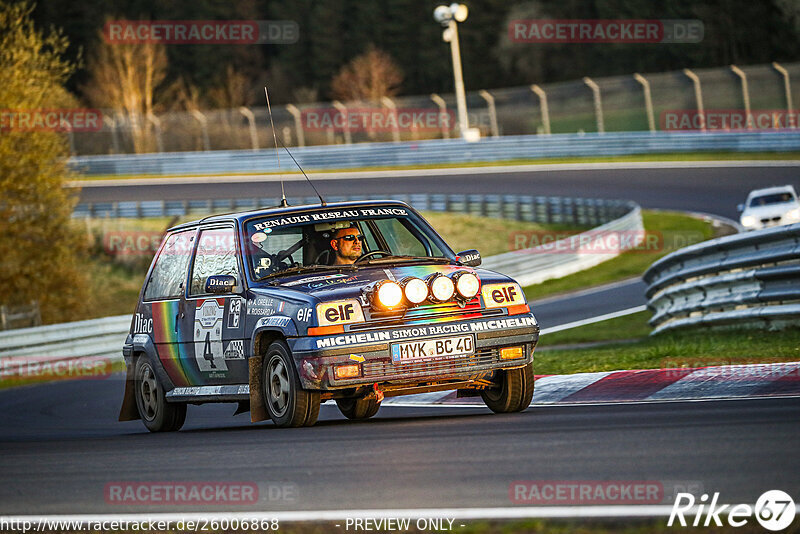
{"type": "Point", "coordinates": [346, 244]}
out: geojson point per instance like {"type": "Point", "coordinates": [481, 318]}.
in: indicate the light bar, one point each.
{"type": "Point", "coordinates": [442, 288]}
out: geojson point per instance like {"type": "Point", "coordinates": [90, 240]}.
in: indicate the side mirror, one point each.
{"type": "Point", "coordinates": [219, 284]}
{"type": "Point", "coordinates": [471, 258]}
{"type": "Point", "coordinates": [740, 208]}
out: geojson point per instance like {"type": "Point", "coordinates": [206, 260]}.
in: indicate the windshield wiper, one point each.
{"type": "Point", "coordinates": [307, 269]}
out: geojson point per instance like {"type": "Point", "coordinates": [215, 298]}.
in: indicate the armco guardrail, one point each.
{"type": "Point", "coordinates": [439, 151]}
{"type": "Point", "coordinates": [750, 279]}
{"type": "Point", "coordinates": [58, 342]}
{"type": "Point", "coordinates": [539, 209]}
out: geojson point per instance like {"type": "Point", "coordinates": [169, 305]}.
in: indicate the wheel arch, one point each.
{"type": "Point", "coordinates": [261, 340]}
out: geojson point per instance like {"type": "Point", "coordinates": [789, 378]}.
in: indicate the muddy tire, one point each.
{"type": "Point", "coordinates": [157, 414]}
{"type": "Point", "coordinates": [358, 408]}
{"type": "Point", "coordinates": [288, 405]}
{"type": "Point", "coordinates": [514, 391]}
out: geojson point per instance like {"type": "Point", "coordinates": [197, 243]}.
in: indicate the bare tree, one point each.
{"type": "Point", "coordinates": [124, 77]}
{"type": "Point", "coordinates": [370, 76]}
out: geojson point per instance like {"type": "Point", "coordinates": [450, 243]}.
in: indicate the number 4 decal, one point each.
{"type": "Point", "coordinates": [208, 320]}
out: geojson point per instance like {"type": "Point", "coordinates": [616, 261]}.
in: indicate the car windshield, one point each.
{"type": "Point", "coordinates": [768, 200]}
{"type": "Point", "coordinates": [324, 240]}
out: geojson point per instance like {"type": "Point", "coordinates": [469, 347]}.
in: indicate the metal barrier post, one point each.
{"type": "Point", "coordinates": [251, 121]}
{"type": "Point", "coordinates": [204, 127]}
{"type": "Point", "coordinates": [444, 118]}
{"type": "Point", "coordinates": [543, 104]}
{"type": "Point", "coordinates": [648, 101]}
{"type": "Point", "coordinates": [787, 91]}
{"type": "Point", "coordinates": [492, 111]}
{"type": "Point", "coordinates": [341, 108]}
{"type": "Point", "coordinates": [745, 94]}
{"type": "Point", "coordinates": [298, 124]}
{"type": "Point", "coordinates": [698, 95]}
{"type": "Point", "coordinates": [598, 105]}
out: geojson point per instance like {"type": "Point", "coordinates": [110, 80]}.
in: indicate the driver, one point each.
{"type": "Point", "coordinates": [346, 244]}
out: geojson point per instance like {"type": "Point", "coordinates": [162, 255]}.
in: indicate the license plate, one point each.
{"type": "Point", "coordinates": [433, 348]}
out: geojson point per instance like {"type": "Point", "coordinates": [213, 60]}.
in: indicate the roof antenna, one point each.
{"type": "Point", "coordinates": [321, 200]}
{"type": "Point", "coordinates": [277, 155]}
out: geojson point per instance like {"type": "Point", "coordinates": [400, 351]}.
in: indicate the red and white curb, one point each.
{"type": "Point", "coordinates": [724, 382]}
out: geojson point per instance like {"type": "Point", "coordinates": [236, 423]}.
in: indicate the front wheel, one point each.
{"type": "Point", "coordinates": [287, 403]}
{"type": "Point", "coordinates": [513, 391]}
{"type": "Point", "coordinates": [157, 414]}
{"type": "Point", "coordinates": [358, 408]}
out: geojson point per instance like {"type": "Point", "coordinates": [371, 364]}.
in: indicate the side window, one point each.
{"type": "Point", "coordinates": [401, 241]}
{"type": "Point", "coordinates": [169, 271]}
{"type": "Point", "coordinates": [216, 254]}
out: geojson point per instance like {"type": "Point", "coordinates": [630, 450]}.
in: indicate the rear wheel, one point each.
{"type": "Point", "coordinates": [358, 408]}
{"type": "Point", "coordinates": [157, 414]}
{"type": "Point", "coordinates": [287, 403]}
{"type": "Point", "coordinates": [513, 391]}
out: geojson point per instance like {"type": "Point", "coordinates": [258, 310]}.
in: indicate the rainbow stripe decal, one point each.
{"type": "Point", "coordinates": [174, 356]}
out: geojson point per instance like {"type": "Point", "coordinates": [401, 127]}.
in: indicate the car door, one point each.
{"type": "Point", "coordinates": [158, 313]}
{"type": "Point", "coordinates": [213, 325]}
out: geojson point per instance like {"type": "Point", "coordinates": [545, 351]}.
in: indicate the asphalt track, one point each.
{"type": "Point", "coordinates": [60, 446]}
{"type": "Point", "coordinates": [716, 190]}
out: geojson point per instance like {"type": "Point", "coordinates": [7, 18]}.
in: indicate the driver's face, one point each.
{"type": "Point", "coordinates": [348, 249]}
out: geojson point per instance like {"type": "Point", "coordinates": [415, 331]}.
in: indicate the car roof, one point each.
{"type": "Point", "coordinates": [286, 210]}
{"type": "Point", "coordinates": [772, 190]}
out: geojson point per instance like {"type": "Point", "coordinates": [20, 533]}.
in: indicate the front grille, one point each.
{"type": "Point", "coordinates": [386, 368]}
{"type": "Point", "coordinates": [772, 219]}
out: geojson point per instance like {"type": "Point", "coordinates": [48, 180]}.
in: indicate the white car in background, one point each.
{"type": "Point", "coordinates": [772, 206]}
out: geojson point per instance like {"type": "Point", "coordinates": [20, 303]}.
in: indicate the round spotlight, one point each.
{"type": "Point", "coordinates": [442, 288]}
{"type": "Point", "coordinates": [388, 294]}
{"type": "Point", "coordinates": [416, 290]}
{"type": "Point", "coordinates": [467, 284]}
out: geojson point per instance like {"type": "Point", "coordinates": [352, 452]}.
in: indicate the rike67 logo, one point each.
{"type": "Point", "coordinates": [774, 510]}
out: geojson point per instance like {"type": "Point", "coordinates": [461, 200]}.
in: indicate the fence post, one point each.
{"type": "Point", "coordinates": [787, 90]}
{"type": "Point", "coordinates": [745, 94]}
{"type": "Point", "coordinates": [3, 319]}
{"type": "Point", "coordinates": [648, 101]}
{"type": "Point", "coordinates": [298, 124]}
{"type": "Point", "coordinates": [444, 118]}
{"type": "Point", "coordinates": [492, 111]}
{"type": "Point", "coordinates": [598, 105]}
{"type": "Point", "coordinates": [204, 127]}
{"type": "Point", "coordinates": [543, 104]}
{"type": "Point", "coordinates": [698, 95]}
{"type": "Point", "coordinates": [251, 120]}
{"type": "Point", "coordinates": [341, 108]}
{"type": "Point", "coordinates": [389, 103]}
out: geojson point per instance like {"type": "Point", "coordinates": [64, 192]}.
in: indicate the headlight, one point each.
{"type": "Point", "coordinates": [415, 290]}
{"type": "Point", "coordinates": [387, 294]}
{"type": "Point", "coordinates": [442, 288]}
{"type": "Point", "coordinates": [748, 220]}
{"type": "Point", "coordinates": [467, 284]}
{"type": "Point", "coordinates": [794, 214]}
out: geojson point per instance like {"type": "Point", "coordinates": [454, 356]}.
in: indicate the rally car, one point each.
{"type": "Point", "coordinates": [281, 309]}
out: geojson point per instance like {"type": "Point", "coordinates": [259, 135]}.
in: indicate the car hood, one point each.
{"type": "Point", "coordinates": [770, 211]}
{"type": "Point", "coordinates": [350, 284]}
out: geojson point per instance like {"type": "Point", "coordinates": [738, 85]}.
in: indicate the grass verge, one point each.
{"type": "Point", "coordinates": [700, 156]}
{"type": "Point", "coordinates": [632, 326]}
{"type": "Point", "coordinates": [672, 350]}
{"type": "Point", "coordinates": [671, 230]}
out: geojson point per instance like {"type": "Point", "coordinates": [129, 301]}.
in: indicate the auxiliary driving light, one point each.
{"type": "Point", "coordinates": [442, 288]}
{"type": "Point", "coordinates": [511, 353]}
{"type": "Point", "coordinates": [467, 284]}
{"type": "Point", "coordinates": [416, 290]}
{"type": "Point", "coordinates": [387, 294]}
{"type": "Point", "coordinates": [346, 371]}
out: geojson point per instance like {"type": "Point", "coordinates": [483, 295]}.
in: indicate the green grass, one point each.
{"type": "Point", "coordinates": [699, 156]}
{"type": "Point", "coordinates": [632, 326]}
{"type": "Point", "coordinates": [678, 349]}
{"type": "Point", "coordinates": [672, 231]}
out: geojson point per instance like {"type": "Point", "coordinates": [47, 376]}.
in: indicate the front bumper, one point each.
{"type": "Point", "coordinates": [371, 349]}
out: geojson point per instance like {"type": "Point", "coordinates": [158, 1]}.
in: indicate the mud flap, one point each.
{"type": "Point", "coordinates": [129, 412]}
{"type": "Point", "coordinates": [258, 411]}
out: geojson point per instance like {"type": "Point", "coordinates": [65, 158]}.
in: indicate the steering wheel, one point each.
{"type": "Point", "coordinates": [368, 254]}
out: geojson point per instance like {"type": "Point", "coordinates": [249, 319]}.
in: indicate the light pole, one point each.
{"type": "Point", "coordinates": [449, 16]}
